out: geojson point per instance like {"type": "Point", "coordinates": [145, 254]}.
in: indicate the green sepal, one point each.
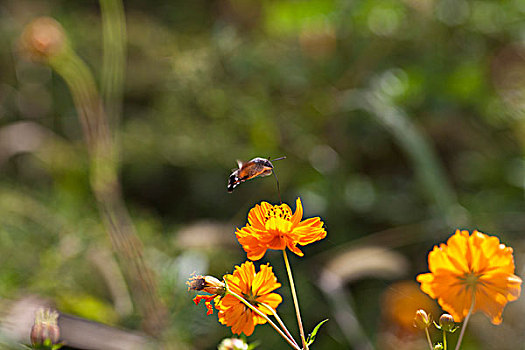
{"type": "Point", "coordinates": [311, 336]}
{"type": "Point", "coordinates": [254, 345]}
{"type": "Point", "coordinates": [46, 346]}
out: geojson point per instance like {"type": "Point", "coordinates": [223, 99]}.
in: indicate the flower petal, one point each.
{"type": "Point", "coordinates": [265, 281]}
{"type": "Point", "coordinates": [256, 216]}
{"type": "Point", "coordinates": [298, 215]}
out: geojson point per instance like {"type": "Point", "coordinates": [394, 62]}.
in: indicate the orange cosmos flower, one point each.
{"type": "Point", "coordinates": [274, 227]}
{"type": "Point", "coordinates": [471, 266]}
{"type": "Point", "coordinates": [256, 288]}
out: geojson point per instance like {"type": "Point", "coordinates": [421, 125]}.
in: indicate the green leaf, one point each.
{"type": "Point", "coordinates": [311, 336]}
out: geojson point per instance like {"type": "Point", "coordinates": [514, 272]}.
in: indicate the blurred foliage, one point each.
{"type": "Point", "coordinates": [380, 106]}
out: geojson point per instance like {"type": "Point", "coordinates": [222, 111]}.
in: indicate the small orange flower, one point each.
{"type": "Point", "coordinates": [256, 288]}
{"type": "Point", "coordinates": [471, 266]}
{"type": "Point", "coordinates": [274, 227]}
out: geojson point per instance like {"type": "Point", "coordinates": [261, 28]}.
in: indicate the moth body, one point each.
{"type": "Point", "coordinates": [248, 170]}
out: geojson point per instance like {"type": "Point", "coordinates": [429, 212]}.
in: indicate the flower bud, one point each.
{"type": "Point", "coordinates": [438, 346]}
{"type": "Point", "coordinates": [232, 344]}
{"type": "Point", "coordinates": [45, 331]}
{"type": "Point", "coordinates": [422, 319]}
{"type": "Point", "coordinates": [207, 284]}
{"type": "Point", "coordinates": [446, 323]}
{"type": "Point", "coordinates": [43, 39]}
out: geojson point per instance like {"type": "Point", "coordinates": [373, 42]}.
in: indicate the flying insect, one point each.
{"type": "Point", "coordinates": [249, 170]}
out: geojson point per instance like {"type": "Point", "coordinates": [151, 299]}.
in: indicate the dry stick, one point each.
{"type": "Point", "coordinates": [258, 312]}
{"type": "Point", "coordinates": [295, 300]}
{"type": "Point", "coordinates": [106, 186]}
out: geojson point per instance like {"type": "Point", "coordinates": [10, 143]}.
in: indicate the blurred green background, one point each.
{"type": "Point", "coordinates": [400, 121]}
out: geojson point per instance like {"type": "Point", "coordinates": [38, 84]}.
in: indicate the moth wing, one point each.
{"type": "Point", "coordinates": [266, 172]}
{"type": "Point", "coordinates": [233, 181]}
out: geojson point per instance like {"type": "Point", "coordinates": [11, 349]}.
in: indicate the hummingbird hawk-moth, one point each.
{"type": "Point", "coordinates": [250, 169]}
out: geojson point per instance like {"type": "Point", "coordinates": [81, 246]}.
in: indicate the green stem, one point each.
{"type": "Point", "coordinates": [295, 300]}
{"type": "Point", "coordinates": [258, 312]}
{"type": "Point", "coordinates": [114, 58]}
{"type": "Point", "coordinates": [464, 326]}
{"type": "Point", "coordinates": [444, 340]}
{"type": "Point", "coordinates": [281, 323]}
{"type": "Point", "coordinates": [428, 339]}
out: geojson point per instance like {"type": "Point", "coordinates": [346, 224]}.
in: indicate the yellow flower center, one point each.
{"type": "Point", "coordinates": [278, 218]}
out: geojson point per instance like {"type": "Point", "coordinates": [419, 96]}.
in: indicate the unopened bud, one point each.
{"type": "Point", "coordinates": [446, 323]}
{"type": "Point", "coordinates": [42, 39]}
{"type": "Point", "coordinates": [232, 344]}
{"type": "Point", "coordinates": [45, 331]}
{"type": "Point", "coordinates": [422, 319]}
